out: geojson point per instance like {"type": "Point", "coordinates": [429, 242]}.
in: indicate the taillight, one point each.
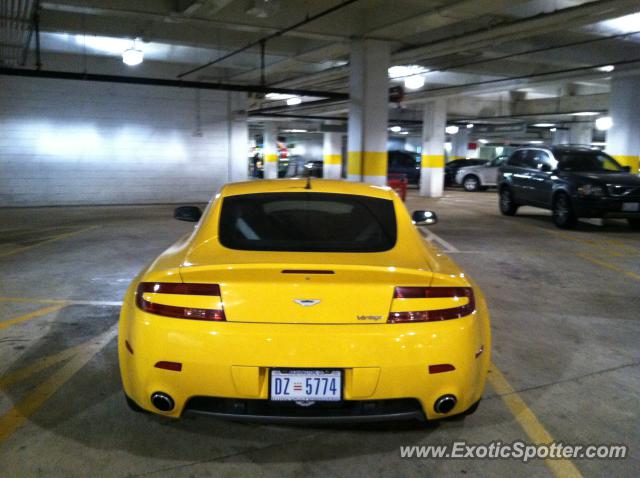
{"type": "Point", "coordinates": [456, 293]}
{"type": "Point", "coordinates": [179, 312]}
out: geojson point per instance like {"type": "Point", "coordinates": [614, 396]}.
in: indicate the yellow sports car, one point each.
{"type": "Point", "coordinates": [308, 300]}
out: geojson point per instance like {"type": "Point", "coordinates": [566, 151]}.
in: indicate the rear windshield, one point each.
{"type": "Point", "coordinates": [307, 222]}
{"type": "Point", "coordinates": [586, 161]}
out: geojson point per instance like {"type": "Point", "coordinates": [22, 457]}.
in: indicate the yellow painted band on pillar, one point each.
{"type": "Point", "coordinates": [367, 163]}
{"type": "Point", "coordinates": [270, 158]}
{"type": "Point", "coordinates": [433, 161]}
{"type": "Point", "coordinates": [354, 164]}
{"type": "Point", "coordinates": [453, 158]}
{"type": "Point", "coordinates": [332, 159]}
{"type": "Point", "coordinates": [629, 160]}
{"type": "Point", "coordinates": [374, 164]}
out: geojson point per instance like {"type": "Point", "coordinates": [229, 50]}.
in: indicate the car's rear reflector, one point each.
{"type": "Point", "coordinates": [173, 366]}
{"type": "Point", "coordinates": [179, 312]}
{"type": "Point", "coordinates": [433, 293]}
{"type": "Point", "coordinates": [441, 367]}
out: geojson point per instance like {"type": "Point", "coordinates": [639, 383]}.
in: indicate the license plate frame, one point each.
{"type": "Point", "coordinates": [631, 206]}
{"type": "Point", "coordinates": [302, 374]}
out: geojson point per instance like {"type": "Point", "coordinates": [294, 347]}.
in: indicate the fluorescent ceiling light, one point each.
{"type": "Point", "coordinates": [470, 125]}
{"type": "Point", "coordinates": [404, 132]}
{"type": "Point", "coordinates": [536, 141]}
{"type": "Point", "coordinates": [295, 131]}
{"type": "Point", "coordinates": [553, 130]}
{"type": "Point", "coordinates": [395, 129]}
{"type": "Point", "coordinates": [544, 125]}
{"type": "Point", "coordinates": [451, 129]}
{"type": "Point", "coordinates": [604, 123]}
{"type": "Point", "coordinates": [294, 101]}
{"type": "Point", "coordinates": [585, 113]}
{"type": "Point", "coordinates": [413, 82]}
{"type": "Point", "coordinates": [278, 96]}
{"type": "Point", "coordinates": [402, 71]}
{"type": "Point", "coordinates": [132, 56]}
{"type": "Point", "coordinates": [625, 24]}
{"type": "Point", "coordinates": [607, 68]}
{"type": "Point", "coordinates": [598, 143]}
{"type": "Point", "coordinates": [483, 141]}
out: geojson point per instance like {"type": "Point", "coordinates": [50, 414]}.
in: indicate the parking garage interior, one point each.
{"type": "Point", "coordinates": [113, 113]}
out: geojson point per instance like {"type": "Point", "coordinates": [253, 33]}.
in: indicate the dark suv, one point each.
{"type": "Point", "coordinates": [572, 181]}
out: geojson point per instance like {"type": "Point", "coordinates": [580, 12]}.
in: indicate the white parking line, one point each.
{"type": "Point", "coordinates": [433, 237]}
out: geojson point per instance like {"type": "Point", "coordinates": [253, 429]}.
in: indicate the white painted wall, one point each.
{"type": "Point", "coordinates": [73, 142]}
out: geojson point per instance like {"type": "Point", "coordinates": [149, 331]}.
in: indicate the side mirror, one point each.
{"type": "Point", "coordinates": [626, 169]}
{"type": "Point", "coordinates": [187, 213]}
{"type": "Point", "coordinates": [424, 218]}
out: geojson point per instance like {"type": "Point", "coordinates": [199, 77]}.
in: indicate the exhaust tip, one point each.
{"type": "Point", "coordinates": [162, 401]}
{"type": "Point", "coordinates": [445, 404]}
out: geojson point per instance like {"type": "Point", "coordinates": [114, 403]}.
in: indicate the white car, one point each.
{"type": "Point", "coordinates": [475, 178]}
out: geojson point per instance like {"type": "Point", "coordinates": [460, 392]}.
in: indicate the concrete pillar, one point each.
{"type": "Point", "coordinates": [580, 133]}
{"type": "Point", "coordinates": [238, 137]}
{"type": "Point", "coordinates": [623, 139]}
{"type": "Point", "coordinates": [368, 111]}
{"type": "Point", "coordinates": [270, 150]}
{"type": "Point", "coordinates": [560, 136]}
{"type": "Point", "coordinates": [332, 155]}
{"type": "Point", "coordinates": [433, 124]}
{"type": "Point", "coordinates": [460, 144]}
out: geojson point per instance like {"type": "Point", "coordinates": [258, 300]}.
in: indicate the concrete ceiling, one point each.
{"type": "Point", "coordinates": [480, 49]}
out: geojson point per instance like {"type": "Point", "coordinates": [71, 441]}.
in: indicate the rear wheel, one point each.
{"type": "Point", "coordinates": [563, 215]}
{"type": "Point", "coordinates": [508, 207]}
{"type": "Point", "coordinates": [134, 406]}
{"type": "Point", "coordinates": [634, 223]}
{"type": "Point", "coordinates": [471, 183]}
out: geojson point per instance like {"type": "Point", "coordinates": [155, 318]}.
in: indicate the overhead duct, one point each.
{"type": "Point", "coordinates": [15, 30]}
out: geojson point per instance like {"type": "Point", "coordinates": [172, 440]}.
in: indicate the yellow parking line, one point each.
{"type": "Point", "coordinates": [23, 409]}
{"type": "Point", "coordinates": [31, 315]}
{"type": "Point", "coordinates": [536, 432]}
{"type": "Point", "coordinates": [55, 238]}
{"type": "Point", "coordinates": [44, 363]}
{"type": "Point", "coordinates": [608, 265]}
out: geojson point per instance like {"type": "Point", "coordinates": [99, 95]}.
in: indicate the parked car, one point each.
{"type": "Point", "coordinates": [281, 305]}
{"type": "Point", "coordinates": [452, 167]}
{"type": "Point", "coordinates": [404, 162]}
{"type": "Point", "coordinates": [475, 178]}
{"type": "Point", "coordinates": [572, 181]}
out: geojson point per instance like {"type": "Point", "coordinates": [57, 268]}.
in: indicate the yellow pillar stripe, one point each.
{"type": "Point", "coordinates": [271, 158]}
{"type": "Point", "coordinates": [433, 161]}
{"type": "Point", "coordinates": [536, 432]}
{"type": "Point", "coordinates": [23, 409]}
{"type": "Point", "coordinates": [629, 160]}
{"type": "Point", "coordinates": [31, 315]}
{"type": "Point", "coordinates": [56, 238]}
{"type": "Point", "coordinates": [332, 159]}
{"type": "Point", "coordinates": [367, 163]}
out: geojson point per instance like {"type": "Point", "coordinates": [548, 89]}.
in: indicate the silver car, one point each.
{"type": "Point", "coordinates": [474, 178]}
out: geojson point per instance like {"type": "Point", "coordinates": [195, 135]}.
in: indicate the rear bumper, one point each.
{"type": "Point", "coordinates": [347, 411]}
{"type": "Point", "coordinates": [226, 366]}
{"type": "Point", "coordinates": [604, 207]}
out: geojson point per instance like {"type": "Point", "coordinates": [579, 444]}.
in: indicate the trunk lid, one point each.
{"type": "Point", "coordinates": [306, 294]}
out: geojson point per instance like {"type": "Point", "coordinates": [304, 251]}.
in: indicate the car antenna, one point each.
{"type": "Point", "coordinates": [308, 186]}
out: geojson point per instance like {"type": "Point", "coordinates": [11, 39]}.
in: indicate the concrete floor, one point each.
{"type": "Point", "coordinates": [566, 330]}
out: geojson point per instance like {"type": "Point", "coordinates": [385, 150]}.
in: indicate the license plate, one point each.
{"type": "Point", "coordinates": [631, 206]}
{"type": "Point", "coordinates": [306, 385]}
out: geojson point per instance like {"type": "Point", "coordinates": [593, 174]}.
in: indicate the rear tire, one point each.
{"type": "Point", "coordinates": [508, 206]}
{"type": "Point", "coordinates": [134, 406]}
{"type": "Point", "coordinates": [562, 212]}
{"type": "Point", "coordinates": [472, 409]}
{"type": "Point", "coordinates": [471, 183]}
{"type": "Point", "coordinates": [634, 223]}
